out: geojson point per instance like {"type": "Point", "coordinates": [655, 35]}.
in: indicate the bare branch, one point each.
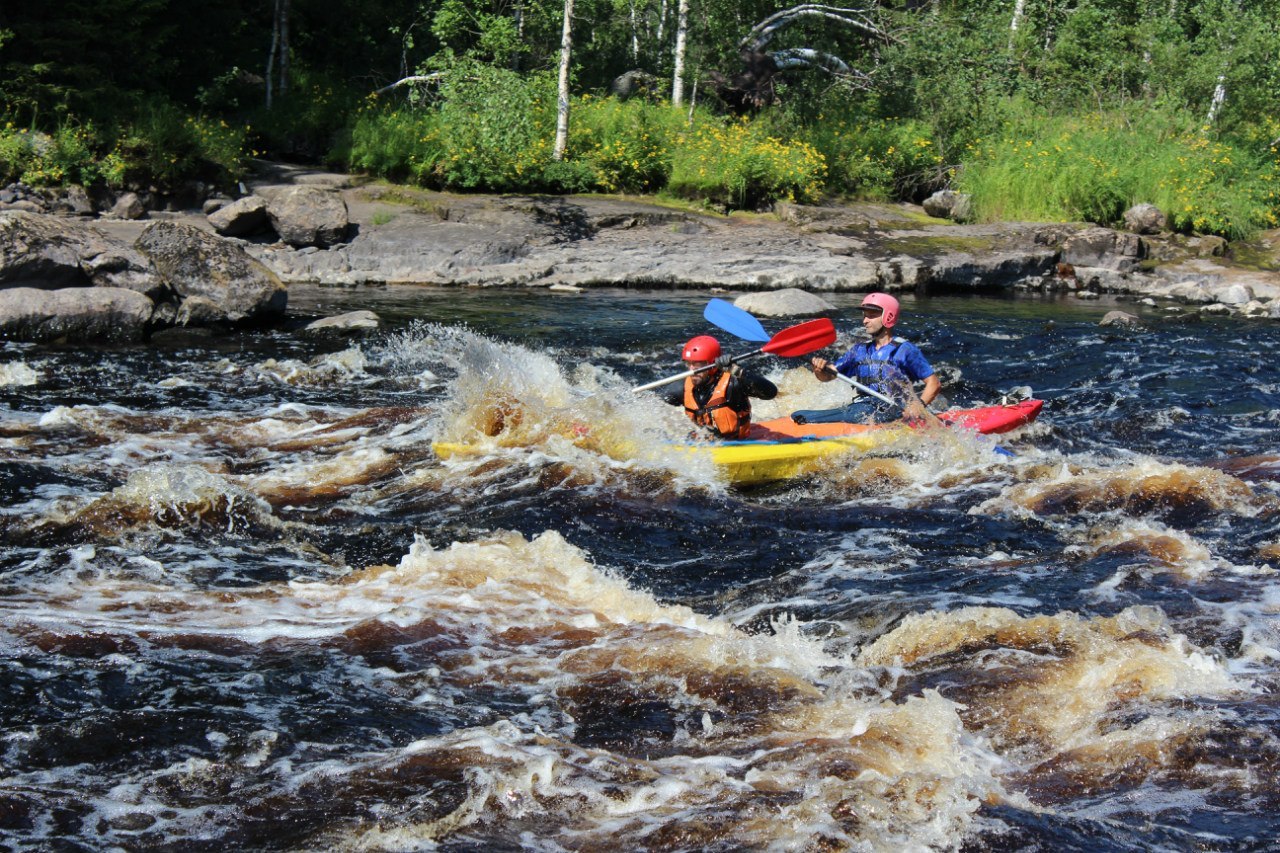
{"type": "Point", "coordinates": [762, 33]}
{"type": "Point", "coordinates": [416, 78]}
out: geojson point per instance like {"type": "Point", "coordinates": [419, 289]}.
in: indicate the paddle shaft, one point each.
{"type": "Point", "coordinates": [863, 388]}
{"type": "Point", "coordinates": [668, 380]}
{"type": "Point", "coordinates": [793, 341]}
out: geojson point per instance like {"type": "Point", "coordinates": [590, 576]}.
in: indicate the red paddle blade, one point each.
{"type": "Point", "coordinates": [802, 339]}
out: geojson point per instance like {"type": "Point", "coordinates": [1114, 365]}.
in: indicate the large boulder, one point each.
{"type": "Point", "coordinates": [240, 218]}
{"type": "Point", "coordinates": [52, 252]}
{"type": "Point", "coordinates": [790, 302]}
{"type": "Point", "coordinates": [308, 216]}
{"type": "Point", "coordinates": [949, 204]}
{"type": "Point", "coordinates": [73, 313]}
{"type": "Point", "coordinates": [1103, 247]}
{"type": "Point", "coordinates": [1145, 219]}
{"type": "Point", "coordinates": [197, 264]}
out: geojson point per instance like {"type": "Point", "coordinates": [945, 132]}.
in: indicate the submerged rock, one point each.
{"type": "Point", "coordinates": [789, 302]}
{"type": "Point", "coordinates": [353, 321]}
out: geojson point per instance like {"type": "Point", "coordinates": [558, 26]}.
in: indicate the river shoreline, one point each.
{"type": "Point", "coordinates": [406, 235]}
{"type": "Point", "coordinates": [413, 236]}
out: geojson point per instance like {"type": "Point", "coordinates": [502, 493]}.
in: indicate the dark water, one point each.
{"type": "Point", "coordinates": [247, 606]}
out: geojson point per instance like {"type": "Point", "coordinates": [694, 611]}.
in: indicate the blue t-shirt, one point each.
{"type": "Point", "coordinates": [885, 369]}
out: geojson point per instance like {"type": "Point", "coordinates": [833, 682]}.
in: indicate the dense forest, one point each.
{"type": "Point", "coordinates": [1040, 109]}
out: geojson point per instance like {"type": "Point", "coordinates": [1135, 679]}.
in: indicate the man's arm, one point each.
{"type": "Point", "coordinates": [672, 394]}
{"type": "Point", "coordinates": [754, 385]}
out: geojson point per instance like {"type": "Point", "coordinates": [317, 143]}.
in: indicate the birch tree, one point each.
{"type": "Point", "coordinates": [562, 98]}
{"type": "Point", "coordinates": [682, 34]}
{"type": "Point", "coordinates": [280, 48]}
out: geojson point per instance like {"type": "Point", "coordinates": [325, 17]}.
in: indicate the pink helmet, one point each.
{"type": "Point", "coordinates": [885, 303]}
{"type": "Point", "coordinates": [701, 348]}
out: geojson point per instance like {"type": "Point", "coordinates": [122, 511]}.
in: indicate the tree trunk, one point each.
{"type": "Point", "coordinates": [1019, 7]}
{"type": "Point", "coordinates": [682, 31]}
{"type": "Point", "coordinates": [635, 34]}
{"type": "Point", "coordinates": [562, 104]}
{"type": "Point", "coordinates": [1220, 90]}
{"type": "Point", "coordinates": [271, 54]}
{"type": "Point", "coordinates": [1219, 98]}
{"type": "Point", "coordinates": [284, 47]}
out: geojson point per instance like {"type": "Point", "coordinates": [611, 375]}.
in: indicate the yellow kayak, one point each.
{"type": "Point", "coordinates": [780, 449]}
{"type": "Point", "coordinates": [747, 463]}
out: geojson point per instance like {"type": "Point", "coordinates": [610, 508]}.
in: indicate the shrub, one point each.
{"type": "Point", "coordinates": [397, 143]}
{"type": "Point", "coordinates": [496, 127]}
{"type": "Point", "coordinates": [878, 159]}
{"type": "Point", "coordinates": [627, 144]}
{"type": "Point", "coordinates": [737, 165]}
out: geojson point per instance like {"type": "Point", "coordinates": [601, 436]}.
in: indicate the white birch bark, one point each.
{"type": "Point", "coordinates": [1019, 7]}
{"type": "Point", "coordinates": [635, 33]}
{"type": "Point", "coordinates": [682, 31]}
{"type": "Point", "coordinates": [562, 102]}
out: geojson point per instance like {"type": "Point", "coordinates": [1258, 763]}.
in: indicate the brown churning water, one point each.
{"type": "Point", "coordinates": [245, 604]}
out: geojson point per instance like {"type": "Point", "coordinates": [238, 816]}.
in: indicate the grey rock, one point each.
{"type": "Point", "coordinates": [1120, 318]}
{"type": "Point", "coordinates": [354, 321]}
{"type": "Point", "coordinates": [1234, 294]}
{"type": "Point", "coordinates": [789, 302]}
{"type": "Point", "coordinates": [1145, 219]}
{"type": "Point", "coordinates": [1103, 247]}
{"type": "Point", "coordinates": [1215, 308]}
{"type": "Point", "coordinates": [53, 252]}
{"type": "Point", "coordinates": [240, 218]}
{"type": "Point", "coordinates": [128, 206]}
{"type": "Point", "coordinates": [1191, 291]}
{"type": "Point", "coordinates": [74, 314]}
{"type": "Point", "coordinates": [71, 200]}
{"type": "Point", "coordinates": [308, 216]}
{"type": "Point", "coordinates": [1208, 246]}
{"type": "Point", "coordinates": [213, 205]}
{"type": "Point", "coordinates": [195, 263]}
{"type": "Point", "coordinates": [200, 311]}
{"type": "Point", "coordinates": [948, 204]}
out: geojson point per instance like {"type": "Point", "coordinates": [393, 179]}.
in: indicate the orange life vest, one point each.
{"type": "Point", "coordinates": [717, 414]}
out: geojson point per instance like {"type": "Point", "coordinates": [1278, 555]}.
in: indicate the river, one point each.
{"type": "Point", "coordinates": [247, 606]}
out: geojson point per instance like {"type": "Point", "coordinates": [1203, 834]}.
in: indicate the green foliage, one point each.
{"type": "Point", "coordinates": [306, 120]}
{"type": "Point", "coordinates": [398, 144]}
{"type": "Point", "coordinates": [497, 126]}
{"type": "Point", "coordinates": [737, 165]}
{"type": "Point", "coordinates": [628, 146]}
{"type": "Point", "coordinates": [1094, 167]}
{"type": "Point", "coordinates": [164, 145]}
{"type": "Point", "coordinates": [878, 159]}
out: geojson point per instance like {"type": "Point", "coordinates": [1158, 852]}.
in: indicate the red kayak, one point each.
{"type": "Point", "coordinates": [987, 420]}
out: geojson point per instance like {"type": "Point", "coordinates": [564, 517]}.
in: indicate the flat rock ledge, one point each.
{"type": "Point", "coordinates": [411, 236]}
{"type": "Point", "coordinates": [188, 275]}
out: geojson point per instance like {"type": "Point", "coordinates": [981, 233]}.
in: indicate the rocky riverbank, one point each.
{"type": "Point", "coordinates": [77, 275]}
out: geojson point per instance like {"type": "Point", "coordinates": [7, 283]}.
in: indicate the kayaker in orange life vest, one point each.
{"type": "Point", "coordinates": [718, 399]}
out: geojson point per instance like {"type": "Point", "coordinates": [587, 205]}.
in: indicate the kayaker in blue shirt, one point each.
{"type": "Point", "coordinates": [885, 363]}
{"type": "Point", "coordinates": [718, 399]}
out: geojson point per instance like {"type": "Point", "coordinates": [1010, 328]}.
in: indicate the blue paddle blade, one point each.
{"type": "Point", "coordinates": [734, 320]}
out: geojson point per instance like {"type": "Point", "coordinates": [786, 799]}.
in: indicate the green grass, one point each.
{"type": "Point", "coordinates": [1094, 167]}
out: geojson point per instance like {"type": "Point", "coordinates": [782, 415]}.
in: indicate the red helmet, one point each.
{"type": "Point", "coordinates": [701, 348]}
{"type": "Point", "coordinates": [885, 303]}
